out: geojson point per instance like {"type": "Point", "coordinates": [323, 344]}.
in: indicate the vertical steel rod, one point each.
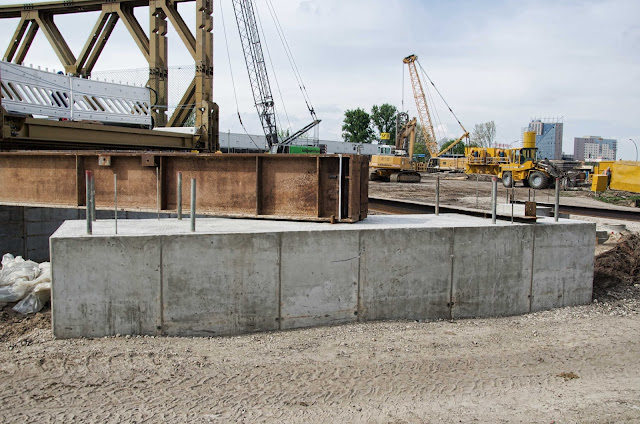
{"type": "Point", "coordinates": [557, 203]}
{"type": "Point", "coordinates": [93, 199]}
{"type": "Point", "coordinates": [437, 194]}
{"type": "Point", "coordinates": [340, 189]}
{"type": "Point", "coordinates": [513, 197]}
{"type": "Point", "coordinates": [87, 175]}
{"type": "Point", "coordinates": [193, 204]}
{"type": "Point", "coordinates": [115, 200]}
{"type": "Point", "coordinates": [179, 195]}
{"type": "Point", "coordinates": [477, 183]}
{"type": "Point", "coordinates": [158, 191]}
{"type": "Point", "coordinates": [494, 199]}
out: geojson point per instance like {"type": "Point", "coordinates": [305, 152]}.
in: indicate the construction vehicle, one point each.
{"type": "Point", "coordinates": [435, 163]}
{"type": "Point", "coordinates": [513, 165]}
{"type": "Point", "coordinates": [396, 164]}
{"type": "Point", "coordinates": [259, 79]}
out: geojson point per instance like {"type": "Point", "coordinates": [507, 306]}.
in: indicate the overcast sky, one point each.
{"type": "Point", "coordinates": [506, 61]}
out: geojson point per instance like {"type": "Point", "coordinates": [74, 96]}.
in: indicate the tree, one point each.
{"type": "Point", "coordinates": [484, 135]}
{"type": "Point", "coordinates": [357, 126]}
{"type": "Point", "coordinates": [384, 119]}
{"type": "Point", "coordinates": [420, 146]}
{"type": "Point", "coordinates": [283, 134]}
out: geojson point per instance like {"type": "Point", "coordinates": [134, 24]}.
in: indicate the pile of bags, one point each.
{"type": "Point", "coordinates": [25, 282]}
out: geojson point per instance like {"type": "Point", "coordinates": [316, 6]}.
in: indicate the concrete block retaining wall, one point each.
{"type": "Point", "coordinates": [25, 230]}
{"type": "Point", "coordinates": [238, 276]}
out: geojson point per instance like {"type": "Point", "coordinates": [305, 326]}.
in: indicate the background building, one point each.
{"type": "Point", "coordinates": [594, 147]}
{"type": "Point", "coordinates": [548, 138]}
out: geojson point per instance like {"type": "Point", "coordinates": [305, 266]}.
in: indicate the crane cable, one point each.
{"type": "Point", "coordinates": [233, 84]}
{"type": "Point", "coordinates": [292, 62]}
{"type": "Point", "coordinates": [273, 70]}
{"type": "Point", "coordinates": [438, 91]}
{"type": "Point", "coordinates": [439, 124]}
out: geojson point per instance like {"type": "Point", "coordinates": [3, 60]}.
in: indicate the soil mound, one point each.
{"type": "Point", "coordinates": [618, 267]}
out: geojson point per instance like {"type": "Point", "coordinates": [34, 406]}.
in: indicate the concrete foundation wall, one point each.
{"type": "Point", "coordinates": [238, 276]}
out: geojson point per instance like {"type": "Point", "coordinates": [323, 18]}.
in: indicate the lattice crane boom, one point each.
{"type": "Point", "coordinates": [256, 67]}
{"type": "Point", "coordinates": [421, 105]}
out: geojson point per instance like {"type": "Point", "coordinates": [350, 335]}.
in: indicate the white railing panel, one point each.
{"type": "Point", "coordinates": [36, 92]}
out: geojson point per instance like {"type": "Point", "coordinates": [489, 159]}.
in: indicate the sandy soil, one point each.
{"type": "Point", "coordinates": [570, 365]}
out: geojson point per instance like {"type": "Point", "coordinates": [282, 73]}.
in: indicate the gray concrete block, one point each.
{"type": "Point", "coordinates": [405, 274]}
{"type": "Point", "coordinates": [11, 229]}
{"type": "Point", "coordinates": [563, 265]}
{"type": "Point", "coordinates": [37, 248]}
{"type": "Point", "coordinates": [10, 213]}
{"type": "Point", "coordinates": [50, 214]}
{"type": "Point", "coordinates": [319, 278]}
{"type": "Point", "coordinates": [492, 270]}
{"type": "Point", "coordinates": [13, 245]}
{"type": "Point", "coordinates": [45, 228]}
{"type": "Point", "coordinates": [220, 284]}
{"type": "Point", "coordinates": [105, 214]}
{"type": "Point", "coordinates": [105, 286]}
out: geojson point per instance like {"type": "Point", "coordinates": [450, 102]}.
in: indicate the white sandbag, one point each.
{"type": "Point", "coordinates": [17, 269]}
{"type": "Point", "coordinates": [36, 300]}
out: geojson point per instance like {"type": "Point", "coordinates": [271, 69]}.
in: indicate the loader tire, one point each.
{"type": "Point", "coordinates": [507, 179]}
{"type": "Point", "coordinates": [538, 180]}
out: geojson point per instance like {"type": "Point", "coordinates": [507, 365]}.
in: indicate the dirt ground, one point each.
{"type": "Point", "coordinates": [475, 192]}
{"type": "Point", "coordinates": [569, 365]}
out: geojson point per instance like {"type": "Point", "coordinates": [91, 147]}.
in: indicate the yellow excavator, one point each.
{"type": "Point", "coordinates": [397, 164]}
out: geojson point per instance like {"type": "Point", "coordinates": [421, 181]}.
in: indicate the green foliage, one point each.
{"type": "Point", "coordinates": [384, 119]}
{"type": "Point", "coordinates": [357, 126]}
{"type": "Point", "coordinates": [283, 134]}
{"type": "Point", "coordinates": [420, 146]}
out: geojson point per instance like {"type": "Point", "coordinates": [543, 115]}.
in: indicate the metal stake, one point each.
{"type": "Point", "coordinates": [87, 175]}
{"type": "Point", "coordinates": [477, 183]}
{"type": "Point", "coordinates": [93, 199]}
{"type": "Point", "coordinates": [437, 194]}
{"type": "Point", "coordinates": [158, 191]}
{"type": "Point", "coordinates": [557, 205]}
{"type": "Point", "coordinates": [179, 195]}
{"type": "Point", "coordinates": [494, 199]}
{"type": "Point", "coordinates": [193, 204]}
{"type": "Point", "coordinates": [340, 189]}
{"type": "Point", "coordinates": [115, 200]}
{"type": "Point", "coordinates": [513, 197]}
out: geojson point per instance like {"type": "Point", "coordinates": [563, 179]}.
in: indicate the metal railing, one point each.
{"type": "Point", "coordinates": [35, 92]}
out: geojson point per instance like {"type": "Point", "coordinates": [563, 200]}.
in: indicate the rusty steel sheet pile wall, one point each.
{"type": "Point", "coordinates": [298, 187]}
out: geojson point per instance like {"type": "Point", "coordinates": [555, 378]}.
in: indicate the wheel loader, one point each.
{"type": "Point", "coordinates": [514, 165]}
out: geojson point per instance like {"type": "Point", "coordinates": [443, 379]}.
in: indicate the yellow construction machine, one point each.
{"type": "Point", "coordinates": [436, 162]}
{"type": "Point", "coordinates": [513, 165]}
{"type": "Point", "coordinates": [396, 164]}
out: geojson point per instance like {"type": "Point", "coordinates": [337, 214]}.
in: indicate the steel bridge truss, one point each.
{"type": "Point", "coordinates": [153, 45]}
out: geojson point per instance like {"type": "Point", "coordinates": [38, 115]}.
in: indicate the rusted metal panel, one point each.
{"type": "Point", "coordinates": [300, 187]}
{"type": "Point", "coordinates": [42, 179]}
